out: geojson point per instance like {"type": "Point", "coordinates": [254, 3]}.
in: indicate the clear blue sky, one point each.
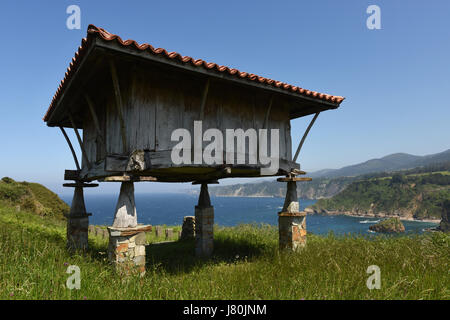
{"type": "Point", "coordinates": [396, 80]}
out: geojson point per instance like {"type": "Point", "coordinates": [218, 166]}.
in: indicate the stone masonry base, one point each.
{"type": "Point", "coordinates": [77, 232]}
{"type": "Point", "coordinates": [204, 236]}
{"type": "Point", "coordinates": [126, 250]}
{"type": "Point", "coordinates": [292, 230]}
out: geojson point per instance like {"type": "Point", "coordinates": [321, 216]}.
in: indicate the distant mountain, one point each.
{"type": "Point", "coordinates": [327, 183]}
{"type": "Point", "coordinates": [392, 162]}
{"type": "Point", "coordinates": [316, 189]}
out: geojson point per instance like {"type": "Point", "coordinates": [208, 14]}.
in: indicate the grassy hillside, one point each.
{"type": "Point", "coordinates": [246, 265]}
{"type": "Point", "coordinates": [31, 197]}
{"type": "Point", "coordinates": [415, 194]}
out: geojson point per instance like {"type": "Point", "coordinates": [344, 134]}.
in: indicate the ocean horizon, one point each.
{"type": "Point", "coordinates": [170, 208]}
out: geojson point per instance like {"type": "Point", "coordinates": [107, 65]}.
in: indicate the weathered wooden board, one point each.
{"type": "Point", "coordinates": [141, 110]}
{"type": "Point", "coordinates": [113, 137]}
{"type": "Point", "coordinates": [169, 114]}
{"type": "Point", "coordinates": [155, 103]}
{"type": "Point", "coordinates": [90, 139]}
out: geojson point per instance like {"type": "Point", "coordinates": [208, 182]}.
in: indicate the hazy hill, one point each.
{"type": "Point", "coordinates": [392, 162]}
{"type": "Point", "coordinates": [327, 183]}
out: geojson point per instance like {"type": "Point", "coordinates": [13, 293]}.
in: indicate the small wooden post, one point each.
{"type": "Point", "coordinates": [158, 231]}
{"type": "Point", "coordinates": [204, 224]}
{"type": "Point", "coordinates": [204, 97]}
{"type": "Point", "coordinates": [77, 164]}
{"type": "Point", "coordinates": [169, 233]}
{"type": "Point", "coordinates": [80, 141]}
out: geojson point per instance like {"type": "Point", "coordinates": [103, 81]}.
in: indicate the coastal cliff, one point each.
{"type": "Point", "coordinates": [415, 196]}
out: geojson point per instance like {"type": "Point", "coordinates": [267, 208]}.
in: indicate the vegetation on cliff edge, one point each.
{"type": "Point", "coordinates": [417, 195]}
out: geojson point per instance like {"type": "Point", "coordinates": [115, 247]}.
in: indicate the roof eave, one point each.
{"type": "Point", "coordinates": [94, 41]}
{"type": "Point", "coordinates": [113, 45]}
{"type": "Point", "coordinates": [51, 112]}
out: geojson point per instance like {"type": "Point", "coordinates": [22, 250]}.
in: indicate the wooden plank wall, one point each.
{"type": "Point", "coordinates": [89, 139]}
{"type": "Point", "coordinates": [157, 102]}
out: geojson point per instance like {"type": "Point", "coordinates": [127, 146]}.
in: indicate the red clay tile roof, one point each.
{"type": "Point", "coordinates": [105, 35]}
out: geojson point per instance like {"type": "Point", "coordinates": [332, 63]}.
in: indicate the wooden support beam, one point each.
{"type": "Point", "coordinates": [72, 175]}
{"type": "Point", "coordinates": [297, 172]}
{"type": "Point", "coordinates": [77, 164]}
{"type": "Point", "coordinates": [81, 185]}
{"type": "Point", "coordinates": [266, 118]}
{"type": "Point", "coordinates": [304, 136]}
{"type": "Point", "coordinates": [119, 103]}
{"type": "Point", "coordinates": [289, 179]}
{"type": "Point", "coordinates": [204, 97]}
{"type": "Point", "coordinates": [80, 141]}
{"type": "Point", "coordinates": [94, 117]}
{"type": "Point", "coordinates": [125, 178]}
{"type": "Point", "coordinates": [266, 122]}
{"type": "Point", "coordinates": [205, 182]}
{"type": "Point", "coordinates": [211, 178]}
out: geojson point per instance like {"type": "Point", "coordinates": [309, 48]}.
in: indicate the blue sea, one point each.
{"type": "Point", "coordinates": [169, 209]}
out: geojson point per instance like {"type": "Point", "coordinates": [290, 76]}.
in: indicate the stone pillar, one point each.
{"type": "Point", "coordinates": [126, 215]}
{"type": "Point", "coordinates": [188, 228]}
{"type": "Point", "coordinates": [291, 222]}
{"type": "Point", "coordinates": [126, 250]}
{"type": "Point", "coordinates": [127, 240]}
{"type": "Point", "coordinates": [77, 221]}
{"type": "Point", "coordinates": [204, 223]}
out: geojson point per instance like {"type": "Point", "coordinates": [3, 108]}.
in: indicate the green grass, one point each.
{"type": "Point", "coordinates": [246, 265]}
{"type": "Point", "coordinates": [32, 197]}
